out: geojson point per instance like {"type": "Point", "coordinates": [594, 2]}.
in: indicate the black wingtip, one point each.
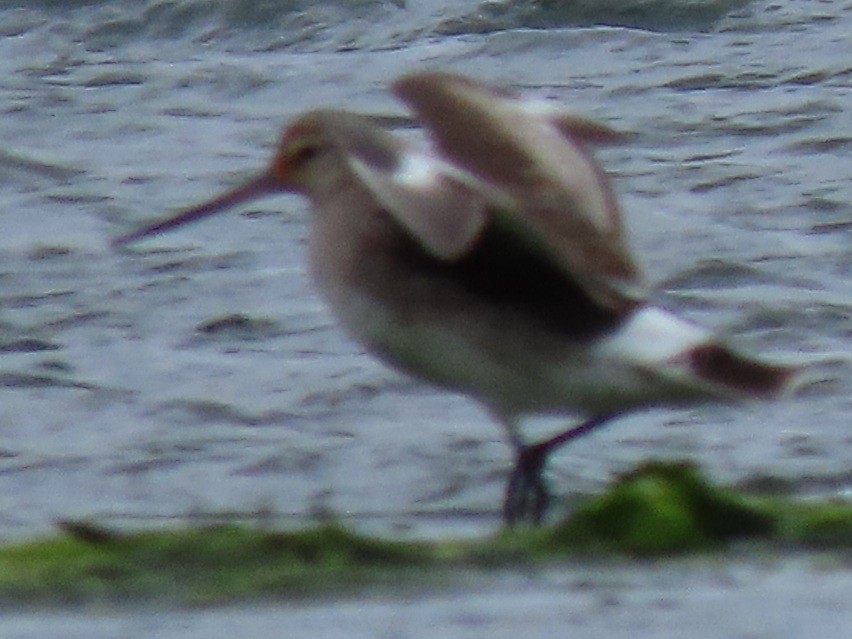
{"type": "Point", "coordinates": [742, 375]}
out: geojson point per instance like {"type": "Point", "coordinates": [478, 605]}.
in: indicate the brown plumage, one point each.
{"type": "Point", "coordinates": [494, 264]}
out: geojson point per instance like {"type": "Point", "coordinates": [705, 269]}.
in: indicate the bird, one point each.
{"type": "Point", "coordinates": [492, 261]}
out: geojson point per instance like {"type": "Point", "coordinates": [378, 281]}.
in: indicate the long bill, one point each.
{"type": "Point", "coordinates": [264, 184]}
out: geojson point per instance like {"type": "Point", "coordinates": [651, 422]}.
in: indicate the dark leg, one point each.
{"type": "Point", "coordinates": [527, 497]}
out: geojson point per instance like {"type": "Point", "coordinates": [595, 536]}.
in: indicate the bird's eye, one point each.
{"type": "Point", "coordinates": [304, 153]}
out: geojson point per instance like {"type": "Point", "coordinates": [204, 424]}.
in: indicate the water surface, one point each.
{"type": "Point", "coordinates": [199, 373]}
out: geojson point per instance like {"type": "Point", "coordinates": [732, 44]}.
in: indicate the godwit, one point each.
{"type": "Point", "coordinates": [494, 264]}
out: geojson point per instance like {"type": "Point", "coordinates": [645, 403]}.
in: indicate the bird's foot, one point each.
{"type": "Point", "coordinates": [527, 497]}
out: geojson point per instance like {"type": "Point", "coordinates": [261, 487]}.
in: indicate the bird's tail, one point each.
{"type": "Point", "coordinates": [738, 375]}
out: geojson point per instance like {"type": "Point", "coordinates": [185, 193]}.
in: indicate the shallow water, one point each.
{"type": "Point", "coordinates": [199, 373]}
{"type": "Point", "coordinates": [752, 598]}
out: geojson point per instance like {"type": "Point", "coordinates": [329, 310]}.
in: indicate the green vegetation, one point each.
{"type": "Point", "coordinates": [656, 510]}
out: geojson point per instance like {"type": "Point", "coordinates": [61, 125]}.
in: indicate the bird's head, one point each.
{"type": "Point", "coordinates": [311, 159]}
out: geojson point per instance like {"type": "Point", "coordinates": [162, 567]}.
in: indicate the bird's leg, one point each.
{"type": "Point", "coordinates": [525, 490]}
{"type": "Point", "coordinates": [527, 497]}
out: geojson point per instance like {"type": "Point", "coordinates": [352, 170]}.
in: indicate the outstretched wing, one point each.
{"type": "Point", "coordinates": [443, 213]}
{"type": "Point", "coordinates": [439, 205]}
{"type": "Point", "coordinates": [464, 237]}
{"type": "Point", "coordinates": [444, 208]}
{"type": "Point", "coordinates": [538, 161]}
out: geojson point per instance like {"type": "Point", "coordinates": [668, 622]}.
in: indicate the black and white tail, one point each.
{"type": "Point", "coordinates": [742, 376]}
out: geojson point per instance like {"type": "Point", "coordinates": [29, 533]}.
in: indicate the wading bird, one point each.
{"type": "Point", "coordinates": [494, 263]}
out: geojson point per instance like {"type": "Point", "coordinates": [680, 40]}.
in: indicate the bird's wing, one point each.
{"type": "Point", "coordinates": [473, 239]}
{"type": "Point", "coordinates": [430, 199]}
{"type": "Point", "coordinates": [575, 127]}
{"type": "Point", "coordinates": [539, 162]}
{"type": "Point", "coordinates": [443, 208]}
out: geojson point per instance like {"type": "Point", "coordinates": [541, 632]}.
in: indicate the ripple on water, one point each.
{"type": "Point", "coordinates": [238, 387]}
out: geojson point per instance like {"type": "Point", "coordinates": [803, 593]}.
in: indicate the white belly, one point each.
{"type": "Point", "coordinates": [515, 373]}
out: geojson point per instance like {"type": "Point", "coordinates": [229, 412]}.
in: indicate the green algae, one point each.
{"type": "Point", "coordinates": [198, 565]}
{"type": "Point", "coordinates": [659, 509]}
{"type": "Point", "coordinates": [663, 508]}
